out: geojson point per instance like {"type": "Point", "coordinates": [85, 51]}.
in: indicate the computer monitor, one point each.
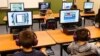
{"type": "Point", "coordinates": [69, 16]}
{"type": "Point", "coordinates": [67, 5]}
{"type": "Point", "coordinates": [44, 5]}
{"type": "Point", "coordinates": [17, 6]}
{"type": "Point", "coordinates": [19, 18]}
{"type": "Point", "coordinates": [88, 5]}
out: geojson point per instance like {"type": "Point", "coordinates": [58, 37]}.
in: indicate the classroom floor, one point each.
{"type": "Point", "coordinates": [56, 48]}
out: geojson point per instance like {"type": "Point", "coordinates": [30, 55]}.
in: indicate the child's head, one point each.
{"type": "Point", "coordinates": [73, 7]}
{"type": "Point", "coordinates": [82, 34]}
{"type": "Point", "coordinates": [27, 39]}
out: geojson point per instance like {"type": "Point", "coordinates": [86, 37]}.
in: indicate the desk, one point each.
{"type": "Point", "coordinates": [87, 15]}
{"type": "Point", "coordinates": [95, 32]}
{"type": "Point", "coordinates": [60, 38]}
{"type": "Point", "coordinates": [83, 15]}
{"type": "Point", "coordinates": [7, 43]}
{"type": "Point", "coordinates": [44, 39]}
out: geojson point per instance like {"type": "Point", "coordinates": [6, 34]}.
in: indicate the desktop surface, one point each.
{"type": "Point", "coordinates": [7, 43]}
{"type": "Point", "coordinates": [60, 37]}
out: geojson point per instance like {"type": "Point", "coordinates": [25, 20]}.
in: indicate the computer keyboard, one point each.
{"type": "Point", "coordinates": [89, 12]}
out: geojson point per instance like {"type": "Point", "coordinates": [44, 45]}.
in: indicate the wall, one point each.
{"type": "Point", "coordinates": [96, 5]}
{"type": "Point", "coordinates": [55, 5]}
{"type": "Point", "coordinates": [80, 4]}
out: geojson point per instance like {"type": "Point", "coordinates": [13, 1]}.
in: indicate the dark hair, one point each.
{"type": "Point", "coordinates": [73, 7]}
{"type": "Point", "coordinates": [82, 34]}
{"type": "Point", "coordinates": [27, 39]}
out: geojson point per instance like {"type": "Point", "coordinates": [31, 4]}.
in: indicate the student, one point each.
{"type": "Point", "coordinates": [49, 12]}
{"type": "Point", "coordinates": [49, 15]}
{"type": "Point", "coordinates": [80, 45]}
{"type": "Point", "coordinates": [27, 39]}
{"type": "Point", "coordinates": [97, 19]}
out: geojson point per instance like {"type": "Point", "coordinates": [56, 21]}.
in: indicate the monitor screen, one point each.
{"type": "Point", "coordinates": [19, 18]}
{"type": "Point", "coordinates": [17, 6]}
{"type": "Point", "coordinates": [67, 5]}
{"type": "Point", "coordinates": [88, 5]}
{"type": "Point", "coordinates": [69, 16]}
{"type": "Point", "coordinates": [44, 5]}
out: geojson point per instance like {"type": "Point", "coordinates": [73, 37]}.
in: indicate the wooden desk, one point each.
{"type": "Point", "coordinates": [7, 43]}
{"type": "Point", "coordinates": [44, 39]}
{"type": "Point", "coordinates": [95, 32]}
{"type": "Point", "coordinates": [85, 15]}
{"type": "Point", "coordinates": [59, 36]}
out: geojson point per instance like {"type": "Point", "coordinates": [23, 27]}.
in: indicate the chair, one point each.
{"type": "Point", "coordinates": [51, 24]}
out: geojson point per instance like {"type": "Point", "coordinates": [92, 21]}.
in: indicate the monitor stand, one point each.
{"type": "Point", "coordinates": [69, 30]}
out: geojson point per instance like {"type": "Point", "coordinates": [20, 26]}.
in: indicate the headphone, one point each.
{"type": "Point", "coordinates": [79, 32]}
{"type": "Point", "coordinates": [19, 43]}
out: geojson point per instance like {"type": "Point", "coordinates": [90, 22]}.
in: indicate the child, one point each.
{"type": "Point", "coordinates": [73, 7]}
{"type": "Point", "coordinates": [49, 15]}
{"type": "Point", "coordinates": [27, 39]}
{"type": "Point", "coordinates": [80, 46]}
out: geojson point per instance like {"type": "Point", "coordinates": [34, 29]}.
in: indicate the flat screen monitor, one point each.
{"type": "Point", "coordinates": [88, 5]}
{"type": "Point", "coordinates": [69, 16]}
{"type": "Point", "coordinates": [17, 6]}
{"type": "Point", "coordinates": [19, 18]}
{"type": "Point", "coordinates": [44, 5]}
{"type": "Point", "coordinates": [67, 5]}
